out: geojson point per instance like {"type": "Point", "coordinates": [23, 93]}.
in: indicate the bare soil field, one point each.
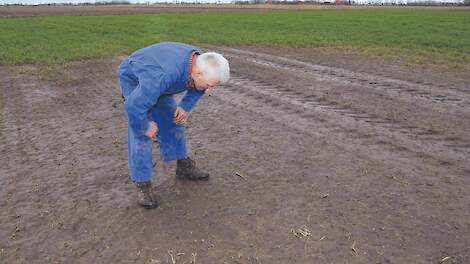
{"type": "Point", "coordinates": [15, 11]}
{"type": "Point", "coordinates": [314, 158]}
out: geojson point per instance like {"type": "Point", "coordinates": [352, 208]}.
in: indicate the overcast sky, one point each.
{"type": "Point", "coordinates": [92, 1]}
{"type": "Point", "coordinates": [30, 2]}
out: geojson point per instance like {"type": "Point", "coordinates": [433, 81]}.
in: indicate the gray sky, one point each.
{"type": "Point", "coordinates": [30, 2]}
{"type": "Point", "coordinates": [92, 1]}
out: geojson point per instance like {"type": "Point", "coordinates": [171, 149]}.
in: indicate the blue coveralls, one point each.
{"type": "Point", "coordinates": [149, 78]}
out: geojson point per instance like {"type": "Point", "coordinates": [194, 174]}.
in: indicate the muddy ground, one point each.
{"type": "Point", "coordinates": [314, 158]}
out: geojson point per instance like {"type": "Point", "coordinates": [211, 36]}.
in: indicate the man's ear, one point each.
{"type": "Point", "coordinates": [198, 74]}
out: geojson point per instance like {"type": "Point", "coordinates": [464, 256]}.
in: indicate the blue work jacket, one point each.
{"type": "Point", "coordinates": [161, 69]}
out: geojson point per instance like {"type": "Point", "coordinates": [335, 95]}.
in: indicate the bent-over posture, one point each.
{"type": "Point", "coordinates": [149, 78]}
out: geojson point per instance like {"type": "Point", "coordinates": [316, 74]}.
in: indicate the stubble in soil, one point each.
{"type": "Point", "coordinates": [313, 159]}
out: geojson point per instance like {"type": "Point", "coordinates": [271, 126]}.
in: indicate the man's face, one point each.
{"type": "Point", "coordinates": [202, 84]}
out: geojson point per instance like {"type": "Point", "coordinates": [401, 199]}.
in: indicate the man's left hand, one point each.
{"type": "Point", "coordinates": [180, 116]}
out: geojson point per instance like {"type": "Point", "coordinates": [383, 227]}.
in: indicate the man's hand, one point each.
{"type": "Point", "coordinates": [152, 131]}
{"type": "Point", "coordinates": [180, 116]}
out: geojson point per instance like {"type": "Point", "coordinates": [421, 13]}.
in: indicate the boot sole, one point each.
{"type": "Point", "coordinates": [149, 206]}
{"type": "Point", "coordinates": [189, 179]}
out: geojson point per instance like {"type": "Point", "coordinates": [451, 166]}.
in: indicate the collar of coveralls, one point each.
{"type": "Point", "coordinates": [190, 83]}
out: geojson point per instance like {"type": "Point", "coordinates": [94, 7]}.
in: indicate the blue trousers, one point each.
{"type": "Point", "coordinates": [171, 136]}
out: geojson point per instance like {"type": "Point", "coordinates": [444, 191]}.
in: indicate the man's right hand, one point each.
{"type": "Point", "coordinates": [152, 131]}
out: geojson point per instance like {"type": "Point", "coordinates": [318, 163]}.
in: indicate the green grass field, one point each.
{"type": "Point", "coordinates": [442, 35]}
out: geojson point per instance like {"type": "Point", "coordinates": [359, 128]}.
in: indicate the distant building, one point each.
{"type": "Point", "coordinates": [373, 2]}
{"type": "Point", "coordinates": [395, 2]}
{"type": "Point", "coordinates": [408, 2]}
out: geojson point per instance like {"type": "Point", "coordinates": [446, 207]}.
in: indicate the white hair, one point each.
{"type": "Point", "coordinates": [213, 66]}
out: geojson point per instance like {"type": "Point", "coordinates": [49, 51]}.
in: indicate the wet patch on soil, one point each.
{"type": "Point", "coordinates": [314, 158]}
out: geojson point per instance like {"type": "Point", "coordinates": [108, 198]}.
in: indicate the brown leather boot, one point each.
{"type": "Point", "coordinates": [146, 198]}
{"type": "Point", "coordinates": [186, 170]}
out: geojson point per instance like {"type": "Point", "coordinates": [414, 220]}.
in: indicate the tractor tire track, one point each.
{"type": "Point", "coordinates": [398, 89]}
{"type": "Point", "coordinates": [351, 128]}
{"type": "Point", "coordinates": [45, 133]}
{"type": "Point", "coordinates": [66, 196]}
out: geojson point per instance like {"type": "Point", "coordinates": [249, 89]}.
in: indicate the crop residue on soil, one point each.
{"type": "Point", "coordinates": [313, 158]}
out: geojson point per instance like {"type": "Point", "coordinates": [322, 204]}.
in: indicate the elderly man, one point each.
{"type": "Point", "coordinates": [149, 78]}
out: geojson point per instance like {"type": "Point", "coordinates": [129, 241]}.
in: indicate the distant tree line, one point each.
{"type": "Point", "coordinates": [114, 2]}
{"type": "Point", "coordinates": [254, 2]}
{"type": "Point", "coordinates": [352, 2]}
